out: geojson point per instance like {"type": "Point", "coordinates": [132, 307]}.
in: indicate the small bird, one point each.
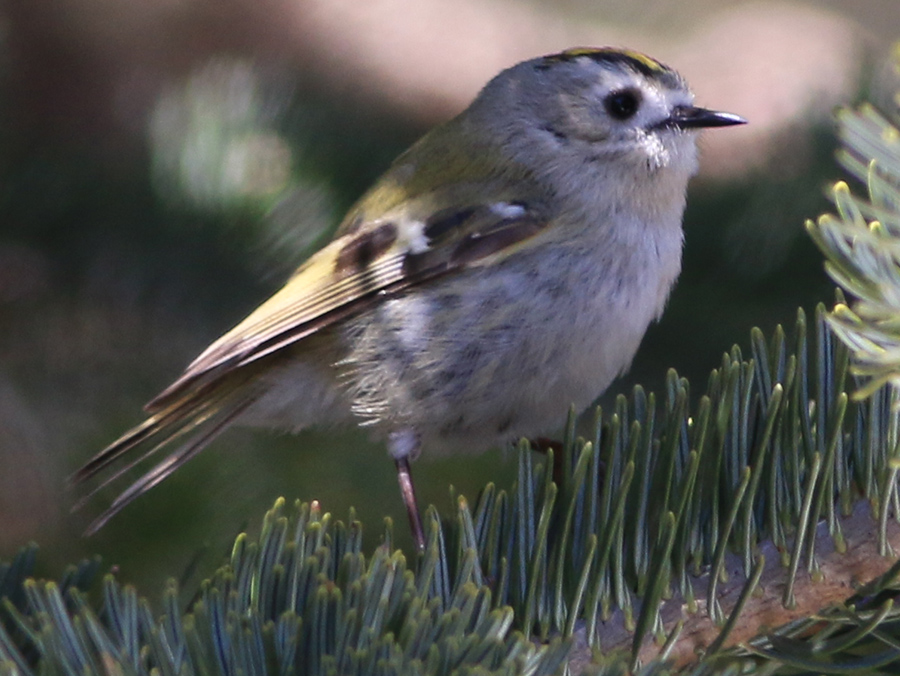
{"type": "Point", "coordinates": [505, 267]}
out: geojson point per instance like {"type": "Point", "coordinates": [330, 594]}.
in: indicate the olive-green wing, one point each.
{"type": "Point", "coordinates": [355, 272]}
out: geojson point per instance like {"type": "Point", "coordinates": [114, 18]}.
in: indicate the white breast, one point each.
{"type": "Point", "coordinates": [500, 352]}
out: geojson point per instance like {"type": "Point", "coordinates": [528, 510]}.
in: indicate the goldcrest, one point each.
{"type": "Point", "coordinates": [505, 267]}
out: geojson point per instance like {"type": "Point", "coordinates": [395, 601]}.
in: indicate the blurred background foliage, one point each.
{"type": "Point", "coordinates": [164, 165]}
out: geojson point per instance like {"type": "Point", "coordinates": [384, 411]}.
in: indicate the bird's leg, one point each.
{"type": "Point", "coordinates": [544, 444]}
{"type": "Point", "coordinates": [402, 445]}
{"type": "Point", "coordinates": [408, 491]}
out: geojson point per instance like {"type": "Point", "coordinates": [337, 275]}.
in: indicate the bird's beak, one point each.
{"type": "Point", "coordinates": [690, 117]}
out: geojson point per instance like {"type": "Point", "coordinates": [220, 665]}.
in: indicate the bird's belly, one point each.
{"type": "Point", "coordinates": [495, 354]}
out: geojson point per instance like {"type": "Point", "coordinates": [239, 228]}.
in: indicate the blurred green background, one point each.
{"type": "Point", "coordinates": [164, 165]}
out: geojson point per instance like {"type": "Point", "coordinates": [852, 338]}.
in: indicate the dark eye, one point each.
{"type": "Point", "coordinates": [622, 104]}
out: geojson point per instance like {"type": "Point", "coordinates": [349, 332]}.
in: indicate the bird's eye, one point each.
{"type": "Point", "coordinates": [622, 104]}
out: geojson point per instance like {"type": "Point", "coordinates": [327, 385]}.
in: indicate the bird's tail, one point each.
{"type": "Point", "coordinates": [187, 423]}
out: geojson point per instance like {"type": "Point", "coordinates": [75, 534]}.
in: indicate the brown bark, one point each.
{"type": "Point", "coordinates": [837, 577]}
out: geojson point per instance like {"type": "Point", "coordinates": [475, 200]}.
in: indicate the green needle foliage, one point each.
{"type": "Point", "coordinates": [862, 246]}
{"type": "Point", "coordinates": [301, 600]}
{"type": "Point", "coordinates": [645, 547]}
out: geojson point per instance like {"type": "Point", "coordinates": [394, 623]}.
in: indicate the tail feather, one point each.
{"type": "Point", "coordinates": [165, 468]}
{"type": "Point", "coordinates": [195, 419]}
{"type": "Point", "coordinates": [170, 426]}
{"type": "Point", "coordinates": [169, 422]}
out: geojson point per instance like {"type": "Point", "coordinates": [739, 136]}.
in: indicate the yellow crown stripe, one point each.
{"type": "Point", "coordinates": [611, 53]}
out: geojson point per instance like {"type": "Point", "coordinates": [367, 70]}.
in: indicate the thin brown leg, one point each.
{"type": "Point", "coordinates": [544, 444]}
{"type": "Point", "coordinates": [408, 491]}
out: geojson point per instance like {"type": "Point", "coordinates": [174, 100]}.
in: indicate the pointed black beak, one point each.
{"type": "Point", "coordinates": [689, 117]}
